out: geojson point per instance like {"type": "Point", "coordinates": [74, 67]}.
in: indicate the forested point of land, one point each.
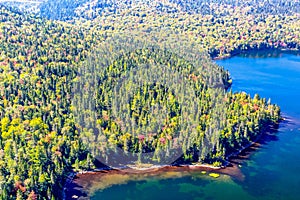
{"type": "Point", "coordinates": [59, 67]}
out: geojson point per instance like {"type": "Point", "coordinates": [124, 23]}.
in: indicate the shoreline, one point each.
{"type": "Point", "coordinates": [232, 169]}
{"type": "Point", "coordinates": [77, 187]}
{"type": "Point", "coordinates": [255, 50]}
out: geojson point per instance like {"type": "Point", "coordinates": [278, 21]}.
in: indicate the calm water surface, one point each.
{"type": "Point", "coordinates": [272, 172]}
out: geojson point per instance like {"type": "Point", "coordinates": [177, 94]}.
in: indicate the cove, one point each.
{"type": "Point", "coordinates": [271, 172]}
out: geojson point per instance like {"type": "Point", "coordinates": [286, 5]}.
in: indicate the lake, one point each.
{"type": "Point", "coordinates": [271, 172]}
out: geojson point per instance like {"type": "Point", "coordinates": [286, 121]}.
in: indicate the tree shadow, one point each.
{"type": "Point", "coordinates": [235, 162]}
{"type": "Point", "coordinates": [75, 191]}
{"type": "Point", "coordinates": [250, 175]}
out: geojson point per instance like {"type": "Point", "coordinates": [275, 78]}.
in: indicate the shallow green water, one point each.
{"type": "Point", "coordinates": [272, 172]}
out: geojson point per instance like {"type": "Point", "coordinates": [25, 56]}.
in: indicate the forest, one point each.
{"type": "Point", "coordinates": [80, 85]}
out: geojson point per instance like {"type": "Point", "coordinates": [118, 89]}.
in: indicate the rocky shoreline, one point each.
{"type": "Point", "coordinates": [79, 183]}
{"type": "Point", "coordinates": [130, 169]}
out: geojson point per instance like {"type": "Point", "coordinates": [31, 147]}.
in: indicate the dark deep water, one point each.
{"type": "Point", "coordinates": [271, 172]}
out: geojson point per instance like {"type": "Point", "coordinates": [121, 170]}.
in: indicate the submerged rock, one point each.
{"type": "Point", "coordinates": [214, 175]}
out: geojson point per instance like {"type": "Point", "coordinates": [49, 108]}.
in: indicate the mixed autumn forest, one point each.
{"type": "Point", "coordinates": [83, 82]}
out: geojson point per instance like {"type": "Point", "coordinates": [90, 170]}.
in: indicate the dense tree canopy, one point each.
{"type": "Point", "coordinates": [58, 107]}
{"type": "Point", "coordinates": [188, 109]}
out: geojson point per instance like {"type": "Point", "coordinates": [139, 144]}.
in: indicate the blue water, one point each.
{"type": "Point", "coordinates": [272, 172]}
{"type": "Point", "coordinates": [276, 78]}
